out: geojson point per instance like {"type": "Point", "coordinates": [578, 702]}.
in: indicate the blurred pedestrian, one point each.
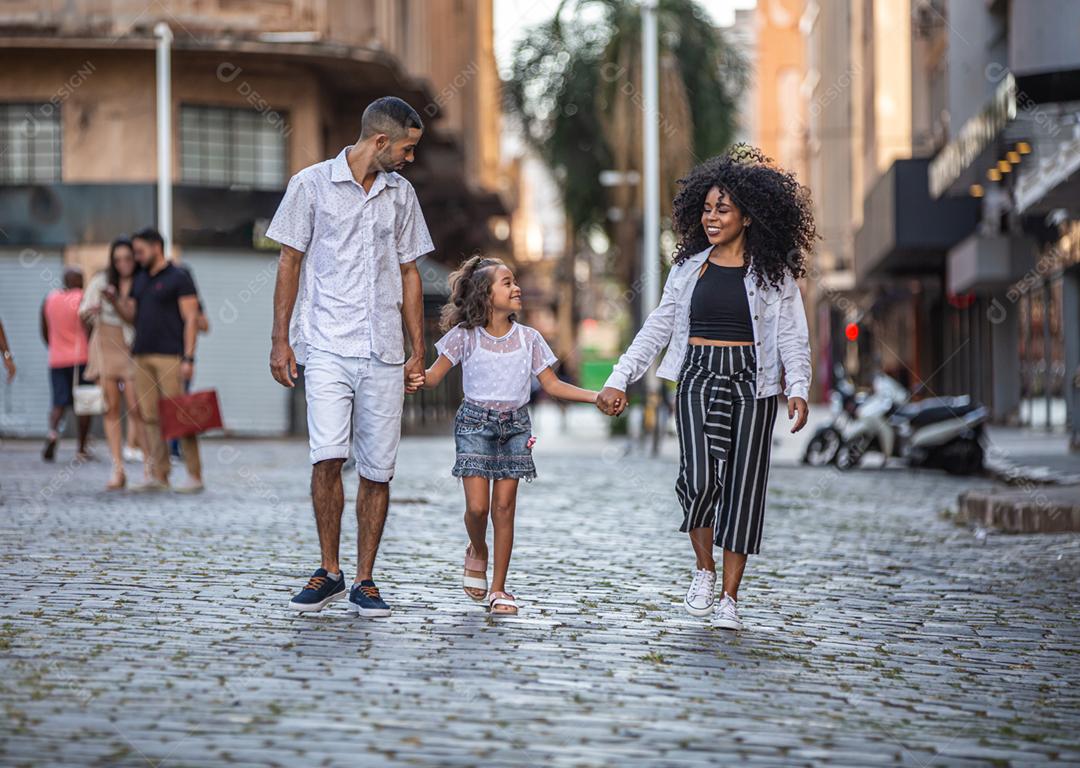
{"type": "Point", "coordinates": [732, 319]}
{"type": "Point", "coordinates": [5, 352]}
{"type": "Point", "coordinates": [165, 312]}
{"type": "Point", "coordinates": [351, 230]}
{"type": "Point", "coordinates": [64, 334]}
{"type": "Point", "coordinates": [492, 429]}
{"type": "Point", "coordinates": [109, 360]}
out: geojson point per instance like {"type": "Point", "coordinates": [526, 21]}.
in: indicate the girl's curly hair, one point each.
{"type": "Point", "coordinates": [779, 209]}
{"type": "Point", "coordinates": [470, 293]}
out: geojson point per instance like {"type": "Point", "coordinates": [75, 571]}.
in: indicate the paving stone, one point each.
{"type": "Point", "coordinates": [879, 632]}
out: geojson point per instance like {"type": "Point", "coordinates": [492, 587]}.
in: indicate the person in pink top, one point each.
{"type": "Point", "coordinates": [65, 335]}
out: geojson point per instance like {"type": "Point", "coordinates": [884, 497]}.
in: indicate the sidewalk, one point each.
{"type": "Point", "coordinates": [1024, 454]}
{"type": "Point", "coordinates": [588, 428]}
{"type": "Point", "coordinates": [1013, 454]}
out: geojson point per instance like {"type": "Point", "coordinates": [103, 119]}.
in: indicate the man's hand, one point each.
{"type": "Point", "coordinates": [414, 374]}
{"type": "Point", "coordinates": [283, 364]}
{"type": "Point", "coordinates": [187, 371]}
{"type": "Point", "coordinates": [797, 405]}
{"type": "Point", "coordinates": [414, 383]}
{"type": "Point", "coordinates": [611, 401]}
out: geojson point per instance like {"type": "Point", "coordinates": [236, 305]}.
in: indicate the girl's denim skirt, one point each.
{"type": "Point", "coordinates": [493, 444]}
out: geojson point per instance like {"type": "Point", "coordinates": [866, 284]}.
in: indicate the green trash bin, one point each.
{"type": "Point", "coordinates": [595, 372]}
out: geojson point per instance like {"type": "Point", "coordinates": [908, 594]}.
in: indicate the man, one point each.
{"type": "Point", "coordinates": [350, 231]}
{"type": "Point", "coordinates": [65, 336]}
{"type": "Point", "coordinates": [165, 311]}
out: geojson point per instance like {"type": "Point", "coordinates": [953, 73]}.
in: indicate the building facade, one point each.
{"type": "Point", "coordinates": [1014, 106]}
{"type": "Point", "coordinates": [259, 91]}
{"type": "Point", "coordinates": [944, 162]}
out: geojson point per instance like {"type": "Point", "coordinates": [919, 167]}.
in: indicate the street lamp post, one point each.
{"type": "Point", "coordinates": [164, 133]}
{"type": "Point", "coordinates": [650, 252]}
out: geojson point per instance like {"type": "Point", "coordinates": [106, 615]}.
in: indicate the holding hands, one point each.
{"type": "Point", "coordinates": [611, 401]}
{"type": "Point", "coordinates": [415, 375]}
{"type": "Point", "coordinates": [414, 382]}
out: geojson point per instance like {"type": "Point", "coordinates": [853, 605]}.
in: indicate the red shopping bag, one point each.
{"type": "Point", "coordinates": [188, 415]}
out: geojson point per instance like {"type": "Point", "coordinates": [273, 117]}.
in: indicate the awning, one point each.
{"type": "Point", "coordinates": [905, 231]}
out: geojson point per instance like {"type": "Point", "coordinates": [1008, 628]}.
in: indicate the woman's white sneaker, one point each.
{"type": "Point", "coordinates": [701, 597]}
{"type": "Point", "coordinates": [727, 614]}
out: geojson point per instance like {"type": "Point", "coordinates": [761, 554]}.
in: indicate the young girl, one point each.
{"type": "Point", "coordinates": [492, 431]}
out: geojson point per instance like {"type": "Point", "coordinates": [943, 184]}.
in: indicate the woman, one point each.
{"type": "Point", "coordinates": [109, 355]}
{"type": "Point", "coordinates": [732, 318]}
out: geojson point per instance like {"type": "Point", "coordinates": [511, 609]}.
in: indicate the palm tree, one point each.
{"type": "Point", "coordinates": [575, 85]}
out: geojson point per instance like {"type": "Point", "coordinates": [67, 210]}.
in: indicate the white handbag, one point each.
{"type": "Point", "coordinates": [89, 400]}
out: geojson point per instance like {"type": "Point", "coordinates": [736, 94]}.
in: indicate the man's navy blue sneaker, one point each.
{"type": "Point", "coordinates": [320, 591]}
{"type": "Point", "coordinates": [366, 601]}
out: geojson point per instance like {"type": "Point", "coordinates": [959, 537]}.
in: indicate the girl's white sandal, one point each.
{"type": "Point", "coordinates": [474, 582]}
{"type": "Point", "coordinates": [503, 599]}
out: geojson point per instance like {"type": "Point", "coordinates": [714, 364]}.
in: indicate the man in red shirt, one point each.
{"type": "Point", "coordinates": [64, 334]}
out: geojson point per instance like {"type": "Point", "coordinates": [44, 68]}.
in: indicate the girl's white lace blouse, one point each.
{"type": "Point", "coordinates": [497, 372]}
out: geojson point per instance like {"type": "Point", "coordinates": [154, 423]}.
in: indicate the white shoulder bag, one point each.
{"type": "Point", "coordinates": [89, 400]}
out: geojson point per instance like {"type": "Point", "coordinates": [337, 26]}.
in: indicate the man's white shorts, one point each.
{"type": "Point", "coordinates": [355, 400]}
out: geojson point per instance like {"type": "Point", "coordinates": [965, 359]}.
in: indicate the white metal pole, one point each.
{"type": "Point", "coordinates": [650, 254]}
{"type": "Point", "coordinates": [164, 133]}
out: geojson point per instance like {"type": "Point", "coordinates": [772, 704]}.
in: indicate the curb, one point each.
{"type": "Point", "coordinates": [1045, 509]}
{"type": "Point", "coordinates": [1017, 474]}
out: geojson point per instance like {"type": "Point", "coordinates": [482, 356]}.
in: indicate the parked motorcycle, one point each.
{"type": "Point", "coordinates": [826, 440]}
{"type": "Point", "coordinates": [940, 432]}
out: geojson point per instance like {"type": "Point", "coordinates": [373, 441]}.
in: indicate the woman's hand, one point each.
{"type": "Point", "coordinates": [797, 405]}
{"type": "Point", "coordinates": [611, 401]}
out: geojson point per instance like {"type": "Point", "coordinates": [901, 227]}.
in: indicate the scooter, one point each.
{"type": "Point", "coordinates": [870, 430]}
{"type": "Point", "coordinates": [942, 432]}
{"type": "Point", "coordinates": [844, 400]}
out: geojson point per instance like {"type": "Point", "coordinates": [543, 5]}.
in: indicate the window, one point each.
{"type": "Point", "coordinates": [223, 147]}
{"type": "Point", "coordinates": [29, 143]}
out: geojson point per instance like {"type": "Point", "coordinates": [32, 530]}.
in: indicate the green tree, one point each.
{"type": "Point", "coordinates": [575, 85]}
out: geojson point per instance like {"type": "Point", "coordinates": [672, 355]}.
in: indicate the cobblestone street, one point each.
{"type": "Point", "coordinates": [154, 631]}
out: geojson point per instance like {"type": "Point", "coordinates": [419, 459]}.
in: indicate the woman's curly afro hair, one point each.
{"type": "Point", "coordinates": [779, 209]}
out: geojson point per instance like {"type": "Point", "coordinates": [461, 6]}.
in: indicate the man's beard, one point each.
{"type": "Point", "coordinates": [385, 160]}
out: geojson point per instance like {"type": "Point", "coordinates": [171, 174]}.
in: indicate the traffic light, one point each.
{"type": "Point", "coordinates": [851, 330]}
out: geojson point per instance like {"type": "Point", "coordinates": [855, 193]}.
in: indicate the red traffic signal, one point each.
{"type": "Point", "coordinates": [851, 331]}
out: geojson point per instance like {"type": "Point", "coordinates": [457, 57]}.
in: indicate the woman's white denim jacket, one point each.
{"type": "Point", "coordinates": [781, 339]}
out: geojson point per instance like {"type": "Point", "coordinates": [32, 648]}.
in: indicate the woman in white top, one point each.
{"type": "Point", "coordinates": [492, 430]}
{"type": "Point", "coordinates": [733, 322]}
{"type": "Point", "coordinates": [109, 356]}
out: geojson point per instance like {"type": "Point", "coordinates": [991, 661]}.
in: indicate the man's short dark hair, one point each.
{"type": "Point", "coordinates": [150, 235]}
{"type": "Point", "coordinates": [389, 115]}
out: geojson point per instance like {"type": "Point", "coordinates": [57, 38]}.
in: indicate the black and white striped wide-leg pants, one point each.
{"type": "Point", "coordinates": [725, 437]}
